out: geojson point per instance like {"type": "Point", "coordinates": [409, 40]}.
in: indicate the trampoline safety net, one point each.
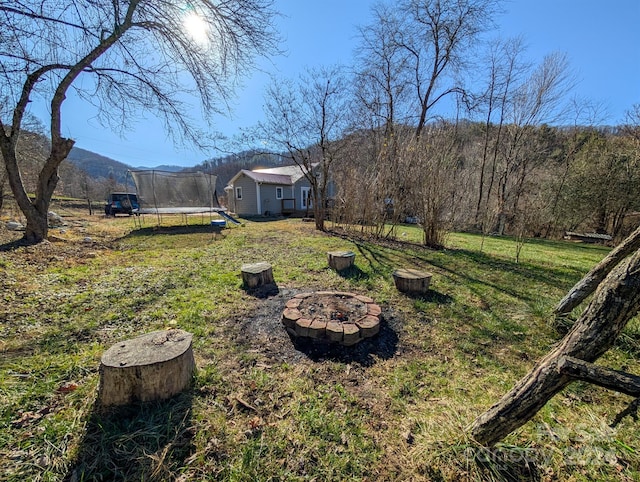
{"type": "Point", "coordinates": [175, 192]}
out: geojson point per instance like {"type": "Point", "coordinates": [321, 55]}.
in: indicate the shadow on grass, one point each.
{"type": "Point", "coordinates": [431, 296]}
{"type": "Point", "coordinates": [501, 464]}
{"type": "Point", "coordinates": [353, 273]}
{"type": "Point", "coordinates": [145, 441]}
{"type": "Point", "coordinates": [177, 229]}
{"type": "Point", "coordinates": [384, 346]}
{"type": "Point", "coordinates": [263, 292]}
{"type": "Point", "coordinates": [13, 245]}
{"type": "Point", "coordinates": [457, 261]}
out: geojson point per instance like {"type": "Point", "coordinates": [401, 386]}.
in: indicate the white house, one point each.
{"type": "Point", "coordinates": [274, 191]}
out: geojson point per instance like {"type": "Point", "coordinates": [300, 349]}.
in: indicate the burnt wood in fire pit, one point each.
{"type": "Point", "coordinates": [332, 317]}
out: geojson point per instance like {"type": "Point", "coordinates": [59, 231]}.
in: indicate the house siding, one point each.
{"type": "Point", "coordinates": [269, 203]}
{"type": "Point", "coordinates": [259, 193]}
{"type": "Point", "coordinates": [248, 205]}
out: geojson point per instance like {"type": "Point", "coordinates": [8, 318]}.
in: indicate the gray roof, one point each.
{"type": "Point", "coordinates": [268, 178]}
{"type": "Point", "coordinates": [293, 172]}
{"type": "Point", "coordinates": [286, 175]}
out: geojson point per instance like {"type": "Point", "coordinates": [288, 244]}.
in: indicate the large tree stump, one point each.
{"type": "Point", "coordinates": [412, 281]}
{"type": "Point", "coordinates": [154, 366]}
{"type": "Point", "coordinates": [257, 274]}
{"type": "Point", "coordinates": [341, 260]}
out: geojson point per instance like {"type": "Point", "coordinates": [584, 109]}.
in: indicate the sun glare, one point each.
{"type": "Point", "coordinates": [196, 27]}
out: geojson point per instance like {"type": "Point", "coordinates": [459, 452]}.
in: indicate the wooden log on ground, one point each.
{"type": "Point", "coordinates": [592, 279]}
{"type": "Point", "coordinates": [256, 274]}
{"type": "Point", "coordinates": [614, 303]}
{"type": "Point", "coordinates": [341, 260]}
{"type": "Point", "coordinates": [617, 380]}
{"type": "Point", "coordinates": [412, 281]}
{"type": "Point", "coordinates": [154, 366]}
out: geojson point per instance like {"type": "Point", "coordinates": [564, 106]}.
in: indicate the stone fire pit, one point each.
{"type": "Point", "coordinates": [332, 317]}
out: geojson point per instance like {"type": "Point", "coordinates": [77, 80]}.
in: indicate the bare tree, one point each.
{"type": "Point", "coordinates": [431, 162]}
{"type": "Point", "coordinates": [132, 56]}
{"type": "Point", "coordinates": [504, 69]}
{"type": "Point", "coordinates": [537, 99]}
{"type": "Point", "coordinates": [409, 59]}
{"type": "Point", "coordinates": [437, 34]}
{"type": "Point", "coordinates": [382, 104]}
{"type": "Point", "coordinates": [306, 120]}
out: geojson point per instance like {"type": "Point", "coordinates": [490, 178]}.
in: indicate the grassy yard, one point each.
{"type": "Point", "coordinates": [262, 407]}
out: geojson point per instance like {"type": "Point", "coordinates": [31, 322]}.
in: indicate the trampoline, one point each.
{"type": "Point", "coordinates": [182, 193]}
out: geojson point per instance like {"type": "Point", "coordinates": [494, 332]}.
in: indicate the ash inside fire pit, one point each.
{"type": "Point", "coordinates": [332, 316]}
{"type": "Point", "coordinates": [339, 315]}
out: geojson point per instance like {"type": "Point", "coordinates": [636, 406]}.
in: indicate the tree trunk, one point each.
{"type": "Point", "coordinates": [36, 211]}
{"type": "Point", "coordinates": [412, 281]}
{"type": "Point", "coordinates": [154, 366]}
{"type": "Point", "coordinates": [615, 302]}
{"type": "Point", "coordinates": [603, 377]}
{"type": "Point", "coordinates": [341, 260]}
{"type": "Point", "coordinates": [256, 275]}
{"type": "Point", "coordinates": [590, 282]}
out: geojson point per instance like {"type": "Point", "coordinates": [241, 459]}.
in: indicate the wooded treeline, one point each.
{"type": "Point", "coordinates": [561, 179]}
{"type": "Point", "coordinates": [577, 178]}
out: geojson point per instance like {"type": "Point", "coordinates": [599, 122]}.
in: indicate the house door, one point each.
{"type": "Point", "coordinates": [306, 197]}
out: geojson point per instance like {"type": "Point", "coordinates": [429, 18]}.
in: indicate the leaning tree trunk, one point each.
{"type": "Point", "coordinates": [590, 282]}
{"type": "Point", "coordinates": [36, 211]}
{"type": "Point", "coordinates": [615, 302]}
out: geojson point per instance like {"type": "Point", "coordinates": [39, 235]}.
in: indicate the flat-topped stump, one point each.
{"type": "Point", "coordinates": [412, 281]}
{"type": "Point", "coordinates": [341, 260]}
{"type": "Point", "coordinates": [332, 317]}
{"type": "Point", "coordinates": [154, 366]}
{"type": "Point", "coordinates": [256, 274]}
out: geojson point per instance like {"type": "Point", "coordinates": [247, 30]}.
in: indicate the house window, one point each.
{"type": "Point", "coordinates": [238, 193]}
{"type": "Point", "coordinates": [278, 193]}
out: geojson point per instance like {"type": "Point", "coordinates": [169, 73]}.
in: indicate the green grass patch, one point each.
{"type": "Point", "coordinates": [263, 408]}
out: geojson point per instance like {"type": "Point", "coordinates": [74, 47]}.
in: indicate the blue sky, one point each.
{"type": "Point", "coordinates": [600, 38]}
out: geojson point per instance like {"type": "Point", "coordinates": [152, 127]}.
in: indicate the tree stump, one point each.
{"type": "Point", "coordinates": [257, 274]}
{"type": "Point", "coordinates": [412, 281]}
{"type": "Point", "coordinates": [154, 366]}
{"type": "Point", "coordinates": [341, 260]}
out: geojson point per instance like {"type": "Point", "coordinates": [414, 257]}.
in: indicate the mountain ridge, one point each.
{"type": "Point", "coordinates": [98, 166]}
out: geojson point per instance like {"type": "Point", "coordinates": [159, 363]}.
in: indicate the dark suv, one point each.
{"type": "Point", "coordinates": [121, 202]}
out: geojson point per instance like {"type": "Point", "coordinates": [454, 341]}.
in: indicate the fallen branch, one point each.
{"type": "Point", "coordinates": [603, 377]}
{"type": "Point", "coordinates": [593, 278]}
{"type": "Point", "coordinates": [615, 302]}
